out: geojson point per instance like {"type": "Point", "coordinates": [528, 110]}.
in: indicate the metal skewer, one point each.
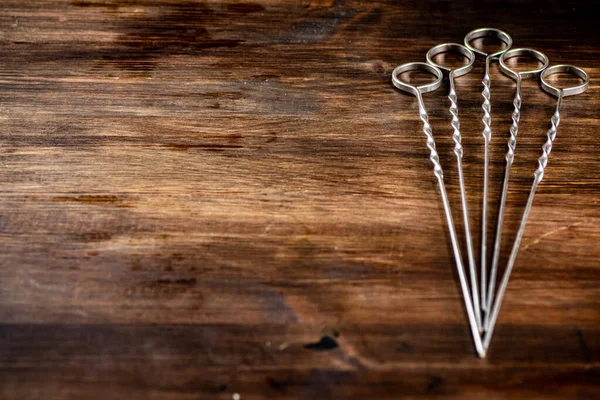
{"type": "Point", "coordinates": [487, 136]}
{"type": "Point", "coordinates": [510, 155]}
{"type": "Point", "coordinates": [438, 172]}
{"type": "Point", "coordinates": [538, 175]}
{"type": "Point", "coordinates": [458, 151]}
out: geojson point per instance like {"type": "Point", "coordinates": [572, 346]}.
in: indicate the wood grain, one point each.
{"type": "Point", "coordinates": [200, 199]}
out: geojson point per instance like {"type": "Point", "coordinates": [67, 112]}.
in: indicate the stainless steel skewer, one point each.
{"type": "Point", "coordinates": [438, 172]}
{"type": "Point", "coordinates": [487, 136]}
{"type": "Point", "coordinates": [458, 151]}
{"type": "Point", "coordinates": [510, 155]}
{"type": "Point", "coordinates": [560, 93]}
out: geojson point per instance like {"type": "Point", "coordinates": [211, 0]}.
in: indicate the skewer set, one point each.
{"type": "Point", "coordinates": [482, 302]}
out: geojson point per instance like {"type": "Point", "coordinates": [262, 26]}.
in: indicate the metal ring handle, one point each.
{"type": "Point", "coordinates": [452, 47]}
{"type": "Point", "coordinates": [488, 32]}
{"type": "Point", "coordinates": [569, 91]}
{"type": "Point", "coordinates": [538, 55]}
{"type": "Point", "coordinates": [417, 66]}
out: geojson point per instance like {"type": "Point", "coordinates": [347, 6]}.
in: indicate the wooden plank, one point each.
{"type": "Point", "coordinates": [203, 198]}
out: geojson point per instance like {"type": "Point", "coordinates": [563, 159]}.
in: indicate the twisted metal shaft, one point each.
{"type": "Point", "coordinates": [538, 175]}
{"type": "Point", "coordinates": [433, 155]}
{"type": "Point", "coordinates": [510, 156]}
{"type": "Point", "coordinates": [487, 136]}
{"type": "Point", "coordinates": [458, 151]}
{"type": "Point", "coordinates": [547, 147]}
{"type": "Point", "coordinates": [514, 128]}
{"type": "Point", "coordinates": [486, 106]}
{"type": "Point", "coordinates": [456, 136]}
{"type": "Point", "coordinates": [438, 172]}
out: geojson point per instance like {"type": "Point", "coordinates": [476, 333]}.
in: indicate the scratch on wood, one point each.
{"type": "Point", "coordinates": [545, 235]}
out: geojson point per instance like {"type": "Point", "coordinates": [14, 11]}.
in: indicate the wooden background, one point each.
{"type": "Point", "coordinates": [204, 199]}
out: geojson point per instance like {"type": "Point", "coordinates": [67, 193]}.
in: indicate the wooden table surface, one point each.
{"type": "Point", "coordinates": [206, 200]}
